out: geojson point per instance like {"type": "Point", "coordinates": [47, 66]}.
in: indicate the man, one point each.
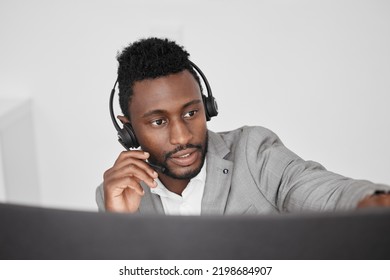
{"type": "Point", "coordinates": [199, 172]}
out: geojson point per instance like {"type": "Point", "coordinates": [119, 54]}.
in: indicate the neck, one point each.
{"type": "Point", "coordinates": [174, 185]}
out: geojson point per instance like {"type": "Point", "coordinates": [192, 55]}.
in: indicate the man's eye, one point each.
{"type": "Point", "coordinates": [190, 114]}
{"type": "Point", "coordinates": [158, 122]}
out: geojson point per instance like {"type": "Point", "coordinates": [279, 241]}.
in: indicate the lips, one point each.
{"type": "Point", "coordinates": [185, 157]}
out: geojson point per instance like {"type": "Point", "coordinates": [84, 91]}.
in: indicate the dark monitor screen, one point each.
{"type": "Point", "coordinates": [43, 233]}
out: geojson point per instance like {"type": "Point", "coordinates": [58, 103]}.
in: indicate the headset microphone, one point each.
{"type": "Point", "coordinates": [162, 169]}
{"type": "Point", "coordinates": [126, 135]}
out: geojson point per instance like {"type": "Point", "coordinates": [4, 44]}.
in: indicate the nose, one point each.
{"type": "Point", "coordinates": [180, 133]}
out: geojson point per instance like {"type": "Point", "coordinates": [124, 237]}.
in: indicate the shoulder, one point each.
{"type": "Point", "coordinates": [254, 143]}
{"type": "Point", "coordinates": [247, 136]}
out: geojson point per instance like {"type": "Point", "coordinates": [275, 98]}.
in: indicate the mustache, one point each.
{"type": "Point", "coordinates": [181, 148]}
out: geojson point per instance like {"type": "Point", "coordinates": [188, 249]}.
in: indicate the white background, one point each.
{"type": "Point", "coordinates": [280, 269]}
{"type": "Point", "coordinates": [315, 72]}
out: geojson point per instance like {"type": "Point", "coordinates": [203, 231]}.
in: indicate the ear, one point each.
{"type": "Point", "coordinates": [123, 119]}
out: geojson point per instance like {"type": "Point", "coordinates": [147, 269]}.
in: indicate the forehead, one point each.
{"type": "Point", "coordinates": [166, 93]}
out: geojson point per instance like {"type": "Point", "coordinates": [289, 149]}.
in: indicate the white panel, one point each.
{"type": "Point", "coordinates": [2, 183]}
{"type": "Point", "coordinates": [19, 176]}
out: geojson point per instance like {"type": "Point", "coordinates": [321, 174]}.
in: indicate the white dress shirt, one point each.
{"type": "Point", "coordinates": [190, 201]}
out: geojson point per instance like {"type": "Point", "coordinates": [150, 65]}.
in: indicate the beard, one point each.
{"type": "Point", "coordinates": [202, 148]}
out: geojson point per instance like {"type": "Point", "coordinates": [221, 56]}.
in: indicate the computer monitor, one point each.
{"type": "Point", "coordinates": [43, 233]}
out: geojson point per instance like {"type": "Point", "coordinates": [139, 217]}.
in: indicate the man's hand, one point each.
{"type": "Point", "coordinates": [376, 200]}
{"type": "Point", "coordinates": [122, 189]}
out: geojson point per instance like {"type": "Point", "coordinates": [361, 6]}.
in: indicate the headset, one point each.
{"type": "Point", "coordinates": [126, 135]}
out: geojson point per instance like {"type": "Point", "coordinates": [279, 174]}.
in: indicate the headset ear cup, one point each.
{"type": "Point", "coordinates": [126, 137]}
{"type": "Point", "coordinates": [211, 106]}
{"type": "Point", "coordinates": [204, 98]}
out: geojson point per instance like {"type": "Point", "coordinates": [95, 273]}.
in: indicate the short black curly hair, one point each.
{"type": "Point", "coordinates": [148, 59]}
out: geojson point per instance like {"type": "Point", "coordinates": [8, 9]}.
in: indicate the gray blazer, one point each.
{"type": "Point", "coordinates": [250, 171]}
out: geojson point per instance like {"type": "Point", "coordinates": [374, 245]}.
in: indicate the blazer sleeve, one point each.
{"type": "Point", "coordinates": [100, 198]}
{"type": "Point", "coordinates": [293, 184]}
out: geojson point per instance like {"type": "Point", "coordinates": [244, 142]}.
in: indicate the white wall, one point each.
{"type": "Point", "coordinates": [315, 72]}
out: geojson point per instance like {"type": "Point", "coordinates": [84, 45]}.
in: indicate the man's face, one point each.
{"type": "Point", "coordinates": [168, 118]}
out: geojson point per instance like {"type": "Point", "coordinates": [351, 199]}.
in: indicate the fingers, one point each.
{"type": "Point", "coordinates": [375, 201]}
{"type": "Point", "coordinates": [122, 182]}
{"type": "Point", "coordinates": [133, 171]}
{"type": "Point", "coordinates": [121, 200]}
{"type": "Point", "coordinates": [132, 154]}
{"type": "Point", "coordinates": [128, 171]}
{"type": "Point", "coordinates": [136, 159]}
{"type": "Point", "coordinates": [115, 187]}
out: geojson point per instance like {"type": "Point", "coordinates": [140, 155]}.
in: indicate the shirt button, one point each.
{"type": "Point", "coordinates": [225, 171]}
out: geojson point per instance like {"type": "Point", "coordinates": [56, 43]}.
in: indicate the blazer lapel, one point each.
{"type": "Point", "coordinates": [151, 203]}
{"type": "Point", "coordinates": [219, 174]}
